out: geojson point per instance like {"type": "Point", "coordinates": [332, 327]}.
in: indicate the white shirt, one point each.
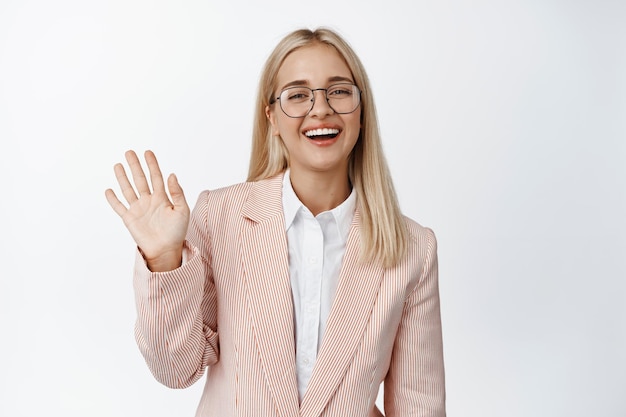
{"type": "Point", "coordinates": [316, 248]}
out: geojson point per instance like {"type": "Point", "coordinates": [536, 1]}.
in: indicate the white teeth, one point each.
{"type": "Point", "coordinates": [321, 132]}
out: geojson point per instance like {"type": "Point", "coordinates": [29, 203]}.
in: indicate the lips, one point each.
{"type": "Point", "coordinates": [322, 133]}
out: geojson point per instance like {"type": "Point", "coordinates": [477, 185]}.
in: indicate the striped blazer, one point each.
{"type": "Point", "coordinates": [228, 310]}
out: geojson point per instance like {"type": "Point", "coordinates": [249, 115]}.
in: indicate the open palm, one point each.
{"type": "Point", "coordinates": [157, 224]}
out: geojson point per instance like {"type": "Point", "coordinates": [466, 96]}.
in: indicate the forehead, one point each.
{"type": "Point", "coordinates": [313, 65]}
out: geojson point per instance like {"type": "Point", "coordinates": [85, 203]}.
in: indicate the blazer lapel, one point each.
{"type": "Point", "coordinates": [264, 254]}
{"type": "Point", "coordinates": [358, 287]}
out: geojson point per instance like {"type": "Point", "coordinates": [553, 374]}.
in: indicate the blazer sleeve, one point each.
{"type": "Point", "coordinates": [176, 327]}
{"type": "Point", "coordinates": [414, 385]}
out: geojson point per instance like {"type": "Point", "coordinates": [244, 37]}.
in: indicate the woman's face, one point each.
{"type": "Point", "coordinates": [310, 148]}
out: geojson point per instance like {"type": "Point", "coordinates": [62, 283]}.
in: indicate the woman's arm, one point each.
{"type": "Point", "coordinates": [176, 327]}
{"type": "Point", "coordinates": [414, 385]}
{"type": "Point", "coordinates": [176, 304]}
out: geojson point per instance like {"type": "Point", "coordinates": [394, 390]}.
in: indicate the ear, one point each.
{"type": "Point", "coordinates": [269, 113]}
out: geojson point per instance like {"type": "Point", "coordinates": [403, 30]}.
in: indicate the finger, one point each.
{"type": "Point", "coordinates": [155, 172]}
{"type": "Point", "coordinates": [127, 189]}
{"type": "Point", "coordinates": [141, 183]}
{"type": "Point", "coordinates": [176, 191]}
{"type": "Point", "coordinates": [115, 203]}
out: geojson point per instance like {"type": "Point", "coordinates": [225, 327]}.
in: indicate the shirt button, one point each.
{"type": "Point", "coordinates": [306, 361]}
{"type": "Point", "coordinates": [312, 260]}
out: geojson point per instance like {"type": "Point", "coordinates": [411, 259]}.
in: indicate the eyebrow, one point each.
{"type": "Point", "coordinates": [336, 78]}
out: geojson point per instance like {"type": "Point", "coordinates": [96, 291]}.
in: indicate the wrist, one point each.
{"type": "Point", "coordinates": [165, 261]}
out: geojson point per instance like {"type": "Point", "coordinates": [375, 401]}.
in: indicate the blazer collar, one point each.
{"type": "Point", "coordinates": [264, 202]}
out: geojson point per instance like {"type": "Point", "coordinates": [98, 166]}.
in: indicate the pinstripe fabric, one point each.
{"type": "Point", "coordinates": [384, 325]}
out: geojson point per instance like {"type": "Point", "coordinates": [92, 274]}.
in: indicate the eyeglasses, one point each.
{"type": "Point", "coordinates": [299, 101]}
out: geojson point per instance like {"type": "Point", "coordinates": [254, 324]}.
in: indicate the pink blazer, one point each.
{"type": "Point", "coordinates": [228, 310]}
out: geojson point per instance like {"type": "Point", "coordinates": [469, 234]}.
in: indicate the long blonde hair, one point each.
{"type": "Point", "coordinates": [383, 229]}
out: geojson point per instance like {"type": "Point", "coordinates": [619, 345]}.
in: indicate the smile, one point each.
{"type": "Point", "coordinates": [322, 133]}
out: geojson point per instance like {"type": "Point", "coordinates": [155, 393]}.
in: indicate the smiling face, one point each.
{"type": "Point", "coordinates": [322, 140]}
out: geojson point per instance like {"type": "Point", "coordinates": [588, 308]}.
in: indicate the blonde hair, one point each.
{"type": "Point", "coordinates": [384, 233]}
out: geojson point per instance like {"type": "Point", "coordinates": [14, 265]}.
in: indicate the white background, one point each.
{"type": "Point", "coordinates": [504, 123]}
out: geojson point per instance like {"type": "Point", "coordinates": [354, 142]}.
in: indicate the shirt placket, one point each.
{"type": "Point", "coordinates": [312, 260]}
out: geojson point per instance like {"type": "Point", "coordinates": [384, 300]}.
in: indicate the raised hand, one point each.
{"type": "Point", "coordinates": [157, 224]}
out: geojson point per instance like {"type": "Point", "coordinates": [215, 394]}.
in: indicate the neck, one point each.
{"type": "Point", "coordinates": [320, 191]}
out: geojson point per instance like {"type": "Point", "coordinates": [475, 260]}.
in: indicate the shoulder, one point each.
{"type": "Point", "coordinates": [226, 195]}
{"type": "Point", "coordinates": [417, 232]}
{"type": "Point", "coordinates": [236, 197]}
{"type": "Point", "coordinates": [422, 242]}
{"type": "Point", "coordinates": [222, 201]}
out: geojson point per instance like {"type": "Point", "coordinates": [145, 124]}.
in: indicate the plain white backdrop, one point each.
{"type": "Point", "coordinates": [504, 123]}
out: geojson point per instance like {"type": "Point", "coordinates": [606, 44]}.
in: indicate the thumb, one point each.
{"type": "Point", "coordinates": [176, 191]}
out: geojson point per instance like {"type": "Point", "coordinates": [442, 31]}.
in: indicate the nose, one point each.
{"type": "Point", "coordinates": [320, 108]}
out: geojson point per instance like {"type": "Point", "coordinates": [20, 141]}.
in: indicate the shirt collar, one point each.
{"type": "Point", "coordinates": [342, 214]}
{"type": "Point", "coordinates": [291, 202]}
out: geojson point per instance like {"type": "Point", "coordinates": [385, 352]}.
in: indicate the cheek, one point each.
{"type": "Point", "coordinates": [355, 125]}
{"type": "Point", "coordinates": [355, 119]}
{"type": "Point", "coordinates": [288, 127]}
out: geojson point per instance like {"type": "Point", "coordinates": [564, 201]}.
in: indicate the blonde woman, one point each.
{"type": "Point", "coordinates": [303, 289]}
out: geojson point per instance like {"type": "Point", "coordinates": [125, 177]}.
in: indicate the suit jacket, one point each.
{"type": "Point", "coordinates": [228, 310]}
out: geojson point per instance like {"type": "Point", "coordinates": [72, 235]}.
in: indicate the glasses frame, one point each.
{"type": "Point", "coordinates": [313, 90]}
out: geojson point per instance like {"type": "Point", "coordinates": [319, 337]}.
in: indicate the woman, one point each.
{"type": "Point", "coordinates": [303, 289]}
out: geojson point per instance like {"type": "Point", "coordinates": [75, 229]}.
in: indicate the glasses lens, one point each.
{"type": "Point", "coordinates": [343, 98]}
{"type": "Point", "coordinates": [296, 101]}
